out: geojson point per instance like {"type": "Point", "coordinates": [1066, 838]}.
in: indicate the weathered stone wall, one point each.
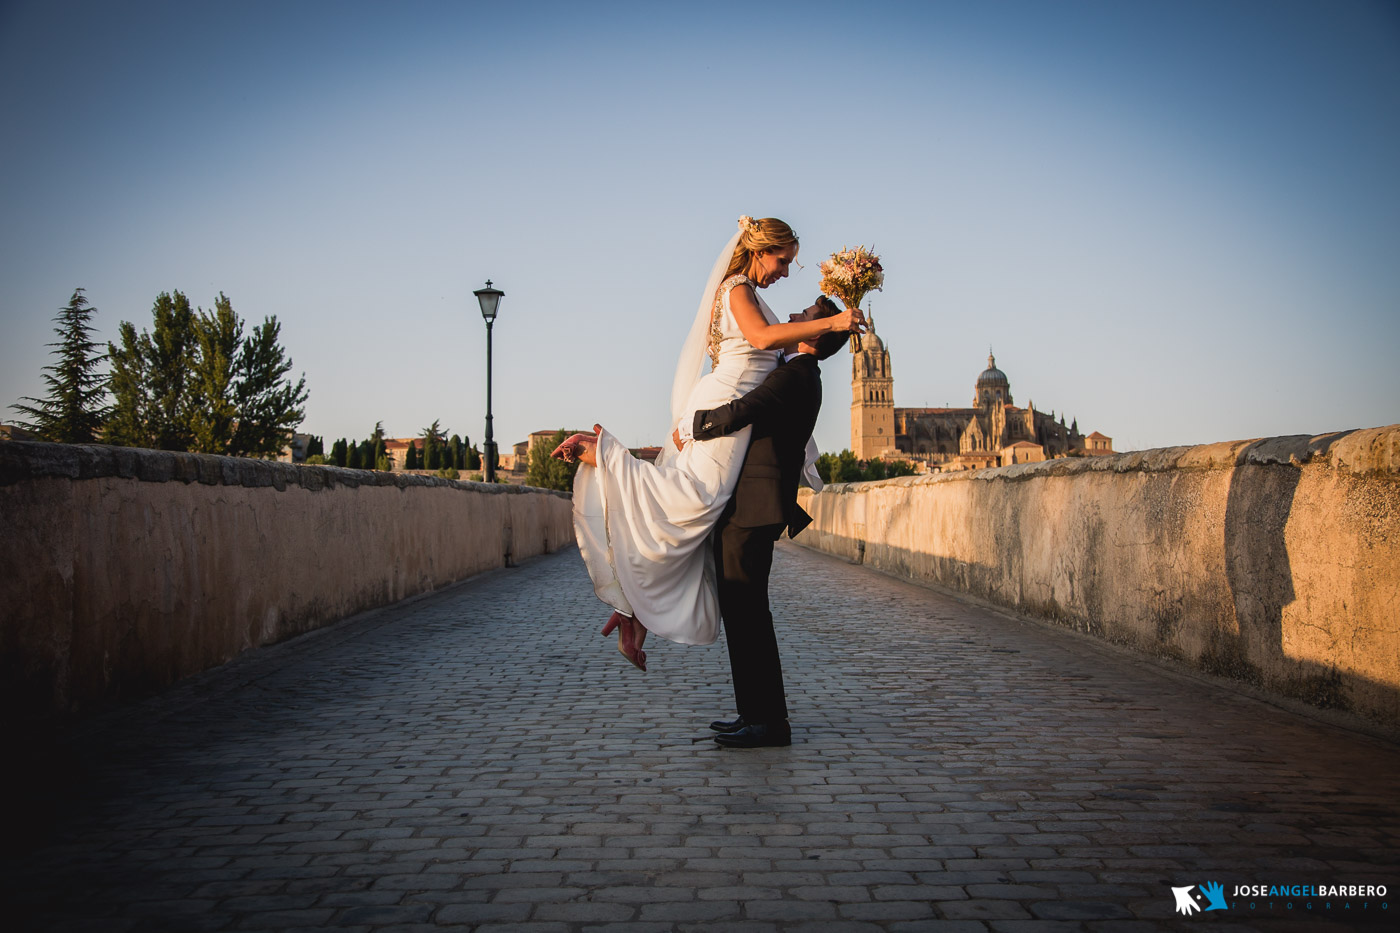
{"type": "Point", "coordinates": [124, 570]}
{"type": "Point", "coordinates": [1275, 561]}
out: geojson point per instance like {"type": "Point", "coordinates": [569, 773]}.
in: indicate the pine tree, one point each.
{"type": "Point", "coordinates": [74, 412]}
{"type": "Point", "coordinates": [455, 446]}
{"type": "Point", "coordinates": [339, 452]}
{"type": "Point", "coordinates": [269, 406]}
{"type": "Point", "coordinates": [381, 453]}
{"type": "Point", "coordinates": [410, 456]}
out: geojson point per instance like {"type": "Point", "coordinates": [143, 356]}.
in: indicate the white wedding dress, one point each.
{"type": "Point", "coordinates": [643, 528]}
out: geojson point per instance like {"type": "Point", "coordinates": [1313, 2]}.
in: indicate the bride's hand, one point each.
{"type": "Point", "coordinates": [849, 320]}
{"type": "Point", "coordinates": [580, 447]}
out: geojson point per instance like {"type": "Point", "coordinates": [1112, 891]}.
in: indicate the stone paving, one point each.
{"type": "Point", "coordinates": [481, 759]}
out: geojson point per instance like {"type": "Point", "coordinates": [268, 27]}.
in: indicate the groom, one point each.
{"type": "Point", "coordinates": [783, 411]}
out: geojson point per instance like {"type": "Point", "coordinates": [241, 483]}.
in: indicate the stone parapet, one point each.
{"type": "Point", "coordinates": [1275, 562]}
{"type": "Point", "coordinates": [125, 570]}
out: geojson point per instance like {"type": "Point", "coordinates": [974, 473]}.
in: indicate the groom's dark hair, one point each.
{"type": "Point", "coordinates": [828, 345]}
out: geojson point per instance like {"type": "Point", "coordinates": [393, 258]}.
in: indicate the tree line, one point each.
{"type": "Point", "coordinates": [443, 454]}
{"type": "Point", "coordinates": [845, 468]}
{"type": "Point", "coordinates": [194, 382]}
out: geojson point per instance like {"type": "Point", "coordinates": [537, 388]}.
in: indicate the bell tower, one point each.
{"type": "Point", "coordinates": [872, 398]}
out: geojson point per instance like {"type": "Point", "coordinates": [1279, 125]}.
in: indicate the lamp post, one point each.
{"type": "Point", "coordinates": [490, 300]}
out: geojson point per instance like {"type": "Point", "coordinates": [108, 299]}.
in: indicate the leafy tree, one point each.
{"type": "Point", "coordinates": [381, 454]}
{"type": "Point", "coordinates": [269, 406]}
{"type": "Point", "coordinates": [128, 418]}
{"type": "Point", "coordinates": [845, 468]}
{"type": "Point", "coordinates": [213, 414]}
{"type": "Point", "coordinates": [194, 382]}
{"type": "Point", "coordinates": [150, 375]}
{"type": "Point", "coordinates": [848, 468]}
{"type": "Point", "coordinates": [315, 459]}
{"type": "Point", "coordinates": [448, 473]}
{"type": "Point", "coordinates": [899, 468]}
{"type": "Point", "coordinates": [547, 472]}
{"type": "Point", "coordinates": [73, 412]}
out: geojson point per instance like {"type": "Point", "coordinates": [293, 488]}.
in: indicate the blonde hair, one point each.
{"type": "Point", "coordinates": [759, 236]}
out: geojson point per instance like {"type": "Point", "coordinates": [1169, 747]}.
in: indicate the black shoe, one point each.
{"type": "Point", "coordinates": [732, 725]}
{"type": "Point", "coordinates": [756, 735]}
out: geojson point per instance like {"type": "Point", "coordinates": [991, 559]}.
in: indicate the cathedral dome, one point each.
{"type": "Point", "coordinates": [871, 341]}
{"type": "Point", "coordinates": [992, 377]}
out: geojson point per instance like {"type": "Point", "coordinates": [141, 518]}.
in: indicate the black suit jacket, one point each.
{"type": "Point", "coordinates": [783, 411]}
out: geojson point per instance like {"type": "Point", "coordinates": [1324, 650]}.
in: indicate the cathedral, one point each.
{"type": "Point", "coordinates": [993, 432]}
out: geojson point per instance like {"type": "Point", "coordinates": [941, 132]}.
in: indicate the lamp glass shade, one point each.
{"type": "Point", "coordinates": [490, 299]}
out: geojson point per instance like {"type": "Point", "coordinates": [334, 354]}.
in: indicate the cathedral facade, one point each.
{"type": "Point", "coordinates": [993, 432]}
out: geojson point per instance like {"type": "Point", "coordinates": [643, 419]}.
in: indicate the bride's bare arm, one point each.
{"type": "Point", "coordinates": [764, 336]}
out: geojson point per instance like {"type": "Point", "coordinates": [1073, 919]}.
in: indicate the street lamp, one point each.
{"type": "Point", "coordinates": [490, 300]}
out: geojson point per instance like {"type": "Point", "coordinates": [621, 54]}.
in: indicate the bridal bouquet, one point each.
{"type": "Point", "coordinates": [848, 275]}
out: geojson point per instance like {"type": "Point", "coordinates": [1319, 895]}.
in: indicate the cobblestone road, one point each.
{"type": "Point", "coordinates": [481, 759]}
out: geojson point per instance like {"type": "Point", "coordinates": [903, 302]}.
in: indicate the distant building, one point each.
{"type": "Point", "coordinates": [13, 432]}
{"type": "Point", "coordinates": [295, 452]}
{"type": "Point", "coordinates": [993, 432]}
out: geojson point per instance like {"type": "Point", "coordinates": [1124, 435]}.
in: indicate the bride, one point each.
{"type": "Point", "coordinates": [641, 526]}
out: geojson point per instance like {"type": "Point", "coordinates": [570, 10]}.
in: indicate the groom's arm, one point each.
{"type": "Point", "coordinates": [763, 408]}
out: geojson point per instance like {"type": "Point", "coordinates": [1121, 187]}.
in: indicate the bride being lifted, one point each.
{"type": "Point", "coordinates": [641, 526]}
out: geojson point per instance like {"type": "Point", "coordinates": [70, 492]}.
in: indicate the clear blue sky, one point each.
{"type": "Point", "coordinates": [1178, 221]}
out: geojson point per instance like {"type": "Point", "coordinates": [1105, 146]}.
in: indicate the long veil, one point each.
{"type": "Point", "coordinates": [692, 361]}
{"type": "Point", "coordinates": [692, 357]}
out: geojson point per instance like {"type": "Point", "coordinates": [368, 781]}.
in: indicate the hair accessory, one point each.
{"type": "Point", "coordinates": [747, 223]}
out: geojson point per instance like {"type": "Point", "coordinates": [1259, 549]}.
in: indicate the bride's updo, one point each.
{"type": "Point", "coordinates": [758, 236]}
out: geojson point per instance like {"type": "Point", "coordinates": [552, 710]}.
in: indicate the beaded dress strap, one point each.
{"type": "Point", "coordinates": [716, 334]}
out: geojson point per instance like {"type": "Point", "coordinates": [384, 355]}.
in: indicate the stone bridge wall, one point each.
{"type": "Point", "coordinates": [123, 570]}
{"type": "Point", "coordinates": [1275, 562]}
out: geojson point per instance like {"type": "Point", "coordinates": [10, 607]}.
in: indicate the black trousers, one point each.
{"type": "Point", "coordinates": [743, 559]}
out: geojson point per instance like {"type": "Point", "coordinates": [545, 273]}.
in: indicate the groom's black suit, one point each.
{"type": "Point", "coordinates": [783, 411]}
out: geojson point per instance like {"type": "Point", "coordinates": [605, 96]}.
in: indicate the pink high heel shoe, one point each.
{"type": "Point", "coordinates": [630, 635]}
